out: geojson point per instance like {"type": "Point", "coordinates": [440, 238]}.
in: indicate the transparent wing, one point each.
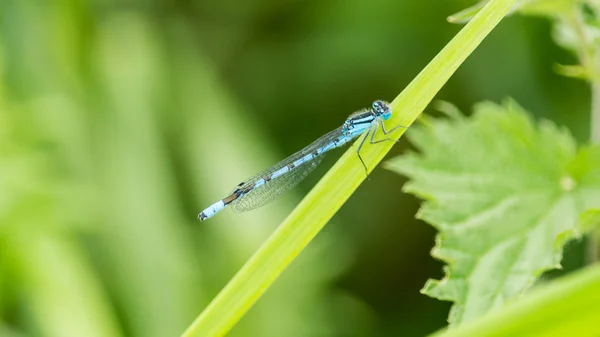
{"type": "Point", "coordinates": [268, 192]}
{"type": "Point", "coordinates": [263, 194]}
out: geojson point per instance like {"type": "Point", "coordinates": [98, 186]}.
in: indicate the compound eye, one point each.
{"type": "Point", "coordinates": [379, 107]}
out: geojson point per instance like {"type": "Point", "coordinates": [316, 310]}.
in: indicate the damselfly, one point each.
{"type": "Point", "coordinates": [280, 178]}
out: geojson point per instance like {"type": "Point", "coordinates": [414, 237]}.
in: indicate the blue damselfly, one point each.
{"type": "Point", "coordinates": [280, 178]}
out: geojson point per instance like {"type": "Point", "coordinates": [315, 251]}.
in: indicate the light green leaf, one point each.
{"type": "Point", "coordinates": [577, 33]}
{"type": "Point", "coordinates": [567, 306]}
{"type": "Point", "coordinates": [573, 71]}
{"type": "Point", "coordinates": [505, 195]}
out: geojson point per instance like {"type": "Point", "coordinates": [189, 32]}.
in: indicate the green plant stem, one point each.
{"type": "Point", "coordinates": [565, 307]}
{"type": "Point", "coordinates": [326, 198]}
{"type": "Point", "coordinates": [590, 60]}
{"type": "Point", "coordinates": [595, 132]}
{"type": "Point", "coordinates": [593, 249]}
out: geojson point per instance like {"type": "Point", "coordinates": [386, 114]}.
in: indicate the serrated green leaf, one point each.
{"type": "Point", "coordinates": [567, 306]}
{"type": "Point", "coordinates": [504, 194]}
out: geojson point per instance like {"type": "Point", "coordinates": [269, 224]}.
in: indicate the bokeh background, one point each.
{"type": "Point", "coordinates": [121, 120]}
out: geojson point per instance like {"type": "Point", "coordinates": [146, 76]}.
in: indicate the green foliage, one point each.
{"type": "Point", "coordinates": [505, 196]}
{"type": "Point", "coordinates": [564, 307]}
{"type": "Point", "coordinates": [576, 28]}
{"type": "Point", "coordinates": [118, 123]}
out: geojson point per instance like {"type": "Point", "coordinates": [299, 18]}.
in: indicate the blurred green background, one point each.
{"type": "Point", "coordinates": [121, 120]}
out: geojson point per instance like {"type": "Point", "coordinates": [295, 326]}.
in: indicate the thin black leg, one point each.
{"type": "Point", "coordinates": [360, 147]}
{"type": "Point", "coordinates": [374, 128]}
{"type": "Point", "coordinates": [385, 132]}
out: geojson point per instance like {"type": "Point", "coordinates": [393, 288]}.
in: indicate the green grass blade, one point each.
{"type": "Point", "coordinates": [565, 307]}
{"type": "Point", "coordinates": [326, 198]}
